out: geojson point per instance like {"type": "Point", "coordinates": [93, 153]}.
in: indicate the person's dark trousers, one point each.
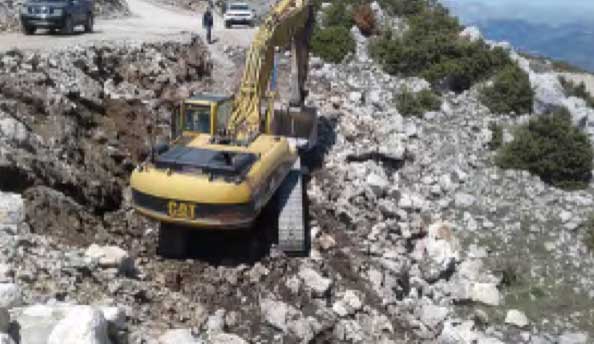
{"type": "Point", "coordinates": [208, 34]}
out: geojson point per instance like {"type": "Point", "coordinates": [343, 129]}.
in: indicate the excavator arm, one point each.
{"type": "Point", "coordinates": [290, 22]}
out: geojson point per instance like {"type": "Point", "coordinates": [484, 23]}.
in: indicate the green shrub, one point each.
{"type": "Point", "coordinates": [551, 147]}
{"type": "Point", "coordinates": [496, 136]}
{"type": "Point", "coordinates": [411, 104]}
{"type": "Point", "coordinates": [511, 92]}
{"type": "Point", "coordinates": [579, 91]}
{"type": "Point", "coordinates": [432, 49]}
{"type": "Point", "coordinates": [337, 14]}
{"type": "Point", "coordinates": [333, 43]}
{"type": "Point", "coordinates": [404, 7]}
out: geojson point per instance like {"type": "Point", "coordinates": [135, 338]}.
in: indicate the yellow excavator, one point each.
{"type": "Point", "coordinates": [229, 156]}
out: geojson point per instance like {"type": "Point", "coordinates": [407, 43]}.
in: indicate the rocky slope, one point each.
{"type": "Point", "coordinates": [9, 12]}
{"type": "Point", "coordinates": [416, 236]}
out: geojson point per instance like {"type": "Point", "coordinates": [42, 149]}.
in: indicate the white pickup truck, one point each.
{"type": "Point", "coordinates": [239, 13]}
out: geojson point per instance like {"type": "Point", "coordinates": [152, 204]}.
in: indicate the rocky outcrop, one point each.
{"type": "Point", "coordinates": [77, 122]}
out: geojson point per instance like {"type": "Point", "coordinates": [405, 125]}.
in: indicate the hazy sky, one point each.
{"type": "Point", "coordinates": [549, 11]}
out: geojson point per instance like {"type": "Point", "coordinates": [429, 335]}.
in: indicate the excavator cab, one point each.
{"type": "Point", "coordinates": [205, 114]}
{"type": "Point", "coordinates": [201, 114]}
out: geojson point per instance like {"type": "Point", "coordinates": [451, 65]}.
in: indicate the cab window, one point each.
{"type": "Point", "coordinates": [197, 118]}
{"type": "Point", "coordinates": [223, 114]}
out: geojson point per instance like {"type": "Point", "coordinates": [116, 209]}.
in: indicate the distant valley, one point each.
{"type": "Point", "coordinates": [554, 28]}
{"type": "Point", "coordinates": [572, 43]}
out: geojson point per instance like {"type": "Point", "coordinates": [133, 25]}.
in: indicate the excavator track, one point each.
{"type": "Point", "coordinates": [292, 221]}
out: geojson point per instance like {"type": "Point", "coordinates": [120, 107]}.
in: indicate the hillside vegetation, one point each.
{"type": "Point", "coordinates": [431, 48]}
{"type": "Point", "coordinates": [551, 147]}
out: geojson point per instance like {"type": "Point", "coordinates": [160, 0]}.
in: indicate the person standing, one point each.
{"type": "Point", "coordinates": [207, 23]}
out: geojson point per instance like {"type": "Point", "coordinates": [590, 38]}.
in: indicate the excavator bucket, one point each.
{"type": "Point", "coordinates": [299, 125]}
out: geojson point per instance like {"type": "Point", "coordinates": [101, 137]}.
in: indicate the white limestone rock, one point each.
{"type": "Point", "coordinates": [226, 338]}
{"type": "Point", "coordinates": [574, 338]}
{"type": "Point", "coordinates": [82, 325]}
{"type": "Point", "coordinates": [486, 293]}
{"type": "Point", "coordinates": [6, 339]}
{"type": "Point", "coordinates": [10, 295]}
{"type": "Point", "coordinates": [110, 257]}
{"type": "Point", "coordinates": [314, 281]}
{"type": "Point", "coordinates": [12, 210]}
{"type": "Point", "coordinates": [441, 245]}
{"type": "Point", "coordinates": [516, 318]}
{"type": "Point", "coordinates": [275, 313]}
{"type": "Point", "coordinates": [472, 34]}
{"type": "Point", "coordinates": [178, 336]}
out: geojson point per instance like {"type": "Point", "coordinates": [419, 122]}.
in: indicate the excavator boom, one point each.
{"type": "Point", "coordinates": [290, 22]}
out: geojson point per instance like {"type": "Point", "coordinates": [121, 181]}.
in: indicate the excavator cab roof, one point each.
{"type": "Point", "coordinates": [207, 98]}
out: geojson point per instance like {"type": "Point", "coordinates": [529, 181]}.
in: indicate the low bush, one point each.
{"type": "Point", "coordinates": [416, 104]}
{"type": "Point", "coordinates": [332, 43]}
{"type": "Point", "coordinates": [432, 49]}
{"type": "Point", "coordinates": [404, 7]}
{"type": "Point", "coordinates": [510, 92]}
{"type": "Point", "coordinates": [337, 14]}
{"type": "Point", "coordinates": [551, 147]}
{"type": "Point", "coordinates": [364, 19]}
{"type": "Point", "coordinates": [579, 91]}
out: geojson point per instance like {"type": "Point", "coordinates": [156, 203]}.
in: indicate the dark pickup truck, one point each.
{"type": "Point", "coordinates": [63, 15]}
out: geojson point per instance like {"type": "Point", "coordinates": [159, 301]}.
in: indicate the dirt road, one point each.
{"type": "Point", "coordinates": [149, 22]}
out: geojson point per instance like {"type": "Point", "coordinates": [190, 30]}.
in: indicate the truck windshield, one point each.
{"type": "Point", "coordinates": [239, 7]}
{"type": "Point", "coordinates": [197, 118]}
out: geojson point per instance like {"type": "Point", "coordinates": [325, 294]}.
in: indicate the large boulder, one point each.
{"type": "Point", "coordinates": [110, 257]}
{"type": "Point", "coordinates": [275, 313]}
{"type": "Point", "coordinates": [82, 325]}
{"type": "Point", "coordinates": [548, 92]}
{"type": "Point", "coordinates": [178, 336]}
{"type": "Point", "coordinates": [6, 339]}
{"type": "Point", "coordinates": [348, 305]}
{"type": "Point", "coordinates": [439, 251]}
{"type": "Point", "coordinates": [486, 293]}
{"type": "Point", "coordinates": [432, 315]}
{"type": "Point", "coordinates": [226, 338]}
{"type": "Point", "coordinates": [573, 338]}
{"type": "Point", "coordinates": [10, 295]}
{"type": "Point", "coordinates": [472, 34]}
{"type": "Point", "coordinates": [36, 323]}
{"type": "Point", "coordinates": [12, 130]}
{"type": "Point", "coordinates": [516, 318]}
{"type": "Point", "coordinates": [314, 281]}
{"type": "Point", "coordinates": [464, 332]}
{"type": "Point", "coordinates": [288, 319]}
{"type": "Point", "coordinates": [12, 210]}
